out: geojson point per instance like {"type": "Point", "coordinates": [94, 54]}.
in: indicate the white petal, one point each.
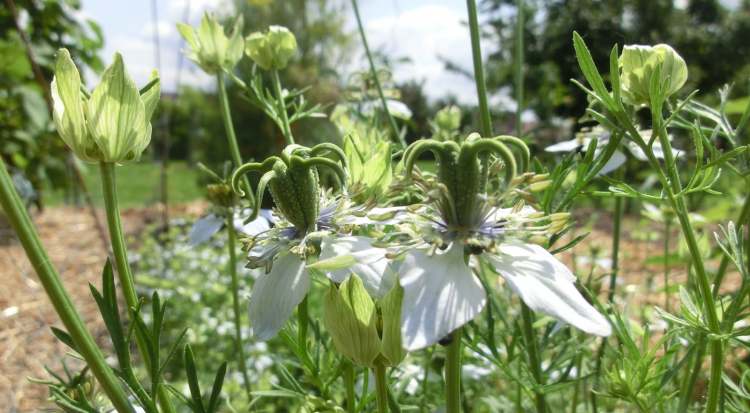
{"type": "Point", "coordinates": [276, 294]}
{"type": "Point", "coordinates": [440, 295]}
{"type": "Point", "coordinates": [204, 228]}
{"type": "Point", "coordinates": [564, 146]}
{"type": "Point", "coordinates": [254, 227]}
{"type": "Point", "coordinates": [614, 162]}
{"type": "Point", "coordinates": [502, 214]}
{"type": "Point", "coordinates": [370, 263]}
{"type": "Point", "coordinates": [546, 285]}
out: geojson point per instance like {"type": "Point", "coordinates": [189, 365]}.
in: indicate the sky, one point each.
{"type": "Point", "coordinates": [423, 30]}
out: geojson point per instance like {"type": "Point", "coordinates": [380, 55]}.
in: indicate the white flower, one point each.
{"type": "Point", "coordinates": [441, 293]}
{"type": "Point", "coordinates": [205, 227]}
{"type": "Point", "coordinates": [582, 141]}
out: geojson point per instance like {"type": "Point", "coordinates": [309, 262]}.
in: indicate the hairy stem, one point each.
{"type": "Point", "coordinates": [453, 373]}
{"type": "Point", "coordinates": [21, 222]}
{"type": "Point", "coordinates": [239, 342]}
{"type": "Point", "coordinates": [374, 73]}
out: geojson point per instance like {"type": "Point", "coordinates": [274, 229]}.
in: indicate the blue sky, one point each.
{"type": "Point", "coordinates": [422, 30]}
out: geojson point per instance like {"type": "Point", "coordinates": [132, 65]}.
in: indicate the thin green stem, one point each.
{"type": "Point", "coordinates": [381, 387]}
{"type": "Point", "coordinates": [234, 150]}
{"type": "Point", "coordinates": [286, 128]}
{"type": "Point", "coordinates": [453, 373]}
{"type": "Point", "coordinates": [532, 351]}
{"type": "Point", "coordinates": [374, 73]}
{"type": "Point", "coordinates": [351, 401]}
{"type": "Point", "coordinates": [667, 236]}
{"type": "Point", "coordinates": [476, 53]}
{"type": "Point", "coordinates": [239, 342]}
{"type": "Point", "coordinates": [119, 249]}
{"type": "Point", "coordinates": [19, 219]}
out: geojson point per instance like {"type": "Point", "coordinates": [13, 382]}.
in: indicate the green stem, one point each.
{"type": "Point", "coordinates": [351, 402]}
{"type": "Point", "coordinates": [234, 150]}
{"type": "Point", "coordinates": [21, 222]}
{"type": "Point", "coordinates": [453, 374]}
{"type": "Point", "coordinates": [381, 387]}
{"type": "Point", "coordinates": [239, 342]}
{"type": "Point", "coordinates": [518, 66]}
{"type": "Point", "coordinates": [532, 352]}
{"type": "Point", "coordinates": [286, 128]}
{"type": "Point", "coordinates": [374, 73]}
{"type": "Point", "coordinates": [119, 249]}
{"type": "Point", "coordinates": [667, 233]}
{"type": "Point", "coordinates": [476, 52]}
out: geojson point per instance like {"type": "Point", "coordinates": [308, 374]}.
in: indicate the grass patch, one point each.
{"type": "Point", "coordinates": [138, 184]}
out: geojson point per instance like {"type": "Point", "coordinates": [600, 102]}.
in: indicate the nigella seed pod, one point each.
{"type": "Point", "coordinates": [113, 123]}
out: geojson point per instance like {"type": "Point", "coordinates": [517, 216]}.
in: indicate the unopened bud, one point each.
{"type": "Point", "coordinates": [273, 49]}
{"type": "Point", "coordinates": [638, 64]}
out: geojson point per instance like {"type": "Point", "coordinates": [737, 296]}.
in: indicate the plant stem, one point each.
{"type": "Point", "coordinates": [453, 373]}
{"type": "Point", "coordinates": [119, 249]}
{"type": "Point", "coordinates": [21, 222]}
{"type": "Point", "coordinates": [286, 128]}
{"type": "Point", "coordinates": [518, 66]}
{"type": "Point", "coordinates": [351, 402]}
{"type": "Point", "coordinates": [239, 342]}
{"type": "Point", "coordinates": [374, 73]}
{"type": "Point", "coordinates": [688, 383]}
{"type": "Point", "coordinates": [476, 53]}
{"type": "Point", "coordinates": [381, 387]}
{"type": "Point", "coordinates": [667, 233]}
{"type": "Point", "coordinates": [533, 356]}
{"type": "Point", "coordinates": [234, 149]}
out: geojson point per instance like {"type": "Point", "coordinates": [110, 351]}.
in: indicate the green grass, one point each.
{"type": "Point", "coordinates": [138, 184]}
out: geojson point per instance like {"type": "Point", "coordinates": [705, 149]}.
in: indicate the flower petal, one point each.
{"type": "Point", "coordinates": [565, 146]}
{"type": "Point", "coordinates": [204, 228]}
{"type": "Point", "coordinates": [440, 295]}
{"type": "Point", "coordinates": [276, 294]}
{"type": "Point", "coordinates": [254, 227]}
{"type": "Point", "coordinates": [614, 162]}
{"type": "Point", "coordinates": [368, 262]}
{"type": "Point", "coordinates": [546, 285]}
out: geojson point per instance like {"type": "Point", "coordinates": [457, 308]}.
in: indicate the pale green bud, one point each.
{"type": "Point", "coordinates": [448, 118]}
{"type": "Point", "coordinates": [351, 320]}
{"type": "Point", "coordinates": [638, 64]}
{"type": "Point", "coordinates": [370, 167]}
{"type": "Point", "coordinates": [390, 309]}
{"type": "Point", "coordinates": [210, 47]}
{"type": "Point", "coordinates": [273, 49]}
{"type": "Point", "coordinates": [113, 124]}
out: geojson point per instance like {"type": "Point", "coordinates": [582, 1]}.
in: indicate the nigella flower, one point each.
{"type": "Point", "coordinates": [582, 140]}
{"type": "Point", "coordinates": [312, 225]}
{"type": "Point", "coordinates": [208, 225]}
{"type": "Point", "coordinates": [463, 227]}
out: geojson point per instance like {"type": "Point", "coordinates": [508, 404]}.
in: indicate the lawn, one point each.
{"type": "Point", "coordinates": [138, 184]}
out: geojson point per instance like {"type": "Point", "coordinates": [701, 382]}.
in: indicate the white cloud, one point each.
{"type": "Point", "coordinates": [427, 34]}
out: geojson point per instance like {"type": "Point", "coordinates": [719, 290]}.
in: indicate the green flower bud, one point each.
{"type": "Point", "coordinates": [638, 64]}
{"type": "Point", "coordinates": [273, 49]}
{"type": "Point", "coordinates": [351, 319]}
{"type": "Point", "coordinates": [390, 308]}
{"type": "Point", "coordinates": [221, 195]}
{"type": "Point", "coordinates": [448, 118]}
{"type": "Point", "coordinates": [210, 47]}
{"type": "Point", "coordinates": [370, 167]}
{"type": "Point", "coordinates": [113, 124]}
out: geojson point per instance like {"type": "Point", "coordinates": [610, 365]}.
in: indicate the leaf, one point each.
{"type": "Point", "coordinates": [590, 72]}
{"type": "Point", "coordinates": [192, 378]}
{"type": "Point", "coordinates": [64, 337]}
{"type": "Point", "coordinates": [213, 403]}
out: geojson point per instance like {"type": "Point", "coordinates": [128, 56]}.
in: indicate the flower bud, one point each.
{"type": "Point", "coordinates": [273, 49]}
{"type": "Point", "coordinates": [370, 167]}
{"type": "Point", "coordinates": [448, 118]}
{"type": "Point", "coordinates": [638, 64]}
{"type": "Point", "coordinates": [210, 47]}
{"type": "Point", "coordinates": [113, 124]}
{"type": "Point", "coordinates": [351, 319]}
